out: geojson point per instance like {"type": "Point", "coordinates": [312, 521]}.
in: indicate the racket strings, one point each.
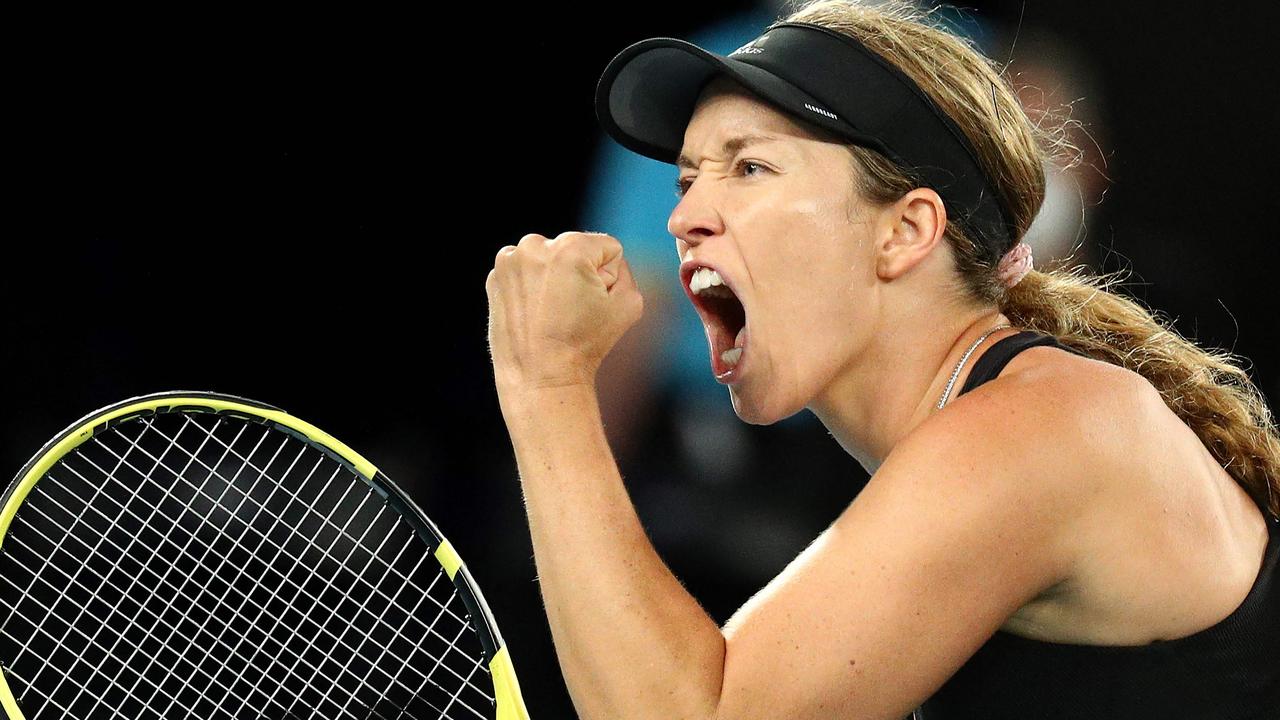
{"type": "Point", "coordinates": [367, 494]}
{"type": "Point", "coordinates": [158, 618]}
{"type": "Point", "coordinates": [135, 688]}
{"type": "Point", "coordinates": [311, 624]}
{"type": "Point", "coordinates": [65, 675]}
{"type": "Point", "coordinates": [61, 641]}
{"type": "Point", "coordinates": [245, 597]}
{"type": "Point", "coordinates": [120, 460]}
{"type": "Point", "coordinates": [261, 609]}
{"type": "Point", "coordinates": [343, 530]}
{"type": "Point", "coordinates": [173, 700]}
{"type": "Point", "coordinates": [308, 506]}
{"type": "Point", "coordinates": [298, 657]}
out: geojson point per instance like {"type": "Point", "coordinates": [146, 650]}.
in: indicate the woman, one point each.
{"type": "Point", "coordinates": [1072, 511]}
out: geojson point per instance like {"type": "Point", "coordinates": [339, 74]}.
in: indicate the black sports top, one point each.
{"type": "Point", "coordinates": [1228, 671]}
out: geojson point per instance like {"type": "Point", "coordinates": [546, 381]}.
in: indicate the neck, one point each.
{"type": "Point", "coordinates": [889, 390]}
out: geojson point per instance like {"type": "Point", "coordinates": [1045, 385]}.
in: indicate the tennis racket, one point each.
{"type": "Point", "coordinates": [197, 555]}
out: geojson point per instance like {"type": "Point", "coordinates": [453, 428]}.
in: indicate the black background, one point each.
{"type": "Point", "coordinates": [302, 208]}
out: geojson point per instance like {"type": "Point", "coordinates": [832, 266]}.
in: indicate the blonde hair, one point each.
{"type": "Point", "coordinates": [1207, 389]}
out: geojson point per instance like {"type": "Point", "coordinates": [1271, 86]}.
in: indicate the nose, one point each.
{"type": "Point", "coordinates": [695, 217]}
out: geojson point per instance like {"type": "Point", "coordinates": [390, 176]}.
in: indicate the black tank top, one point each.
{"type": "Point", "coordinates": [1230, 670]}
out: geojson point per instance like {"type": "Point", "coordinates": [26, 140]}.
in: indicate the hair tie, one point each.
{"type": "Point", "coordinates": [1015, 265]}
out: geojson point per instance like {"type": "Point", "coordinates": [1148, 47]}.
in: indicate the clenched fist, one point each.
{"type": "Point", "coordinates": [557, 307]}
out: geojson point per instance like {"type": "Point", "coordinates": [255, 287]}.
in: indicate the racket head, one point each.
{"type": "Point", "coordinates": [178, 411]}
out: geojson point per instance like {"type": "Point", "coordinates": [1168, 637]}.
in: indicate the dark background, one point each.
{"type": "Point", "coordinates": [302, 209]}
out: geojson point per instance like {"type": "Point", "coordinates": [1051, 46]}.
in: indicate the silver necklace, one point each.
{"type": "Point", "coordinates": [956, 373]}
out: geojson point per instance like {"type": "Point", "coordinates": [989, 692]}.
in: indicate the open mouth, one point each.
{"type": "Point", "coordinates": [725, 319]}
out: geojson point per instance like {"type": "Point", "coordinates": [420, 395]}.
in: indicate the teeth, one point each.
{"type": "Point", "coordinates": [706, 281]}
{"type": "Point", "coordinates": [707, 278]}
{"type": "Point", "coordinates": [734, 354]}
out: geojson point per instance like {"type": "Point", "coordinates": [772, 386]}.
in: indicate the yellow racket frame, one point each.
{"type": "Point", "coordinates": [509, 701]}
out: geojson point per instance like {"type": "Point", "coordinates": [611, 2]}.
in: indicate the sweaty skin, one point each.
{"type": "Point", "coordinates": [844, 306]}
{"type": "Point", "coordinates": [846, 303]}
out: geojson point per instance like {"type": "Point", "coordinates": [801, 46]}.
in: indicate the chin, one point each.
{"type": "Point", "coordinates": [767, 410]}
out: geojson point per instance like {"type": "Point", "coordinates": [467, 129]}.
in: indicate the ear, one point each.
{"type": "Point", "coordinates": [909, 229]}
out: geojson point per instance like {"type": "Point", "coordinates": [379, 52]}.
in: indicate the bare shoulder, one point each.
{"type": "Point", "coordinates": [1064, 416]}
{"type": "Point", "coordinates": [1071, 416]}
{"type": "Point", "coordinates": [1056, 380]}
{"type": "Point", "coordinates": [961, 526]}
{"type": "Point", "coordinates": [969, 521]}
{"type": "Point", "coordinates": [1162, 541]}
{"type": "Point", "coordinates": [1064, 428]}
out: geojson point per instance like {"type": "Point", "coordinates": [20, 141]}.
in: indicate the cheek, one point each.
{"type": "Point", "coordinates": [811, 251]}
{"type": "Point", "coordinates": [805, 267]}
{"type": "Point", "coordinates": [821, 238]}
{"type": "Point", "coordinates": [822, 219]}
{"type": "Point", "coordinates": [814, 312]}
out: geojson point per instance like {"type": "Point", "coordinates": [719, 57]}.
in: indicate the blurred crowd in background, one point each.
{"type": "Point", "coordinates": [303, 211]}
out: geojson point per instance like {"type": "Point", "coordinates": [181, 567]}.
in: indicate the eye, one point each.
{"type": "Point", "coordinates": [682, 184]}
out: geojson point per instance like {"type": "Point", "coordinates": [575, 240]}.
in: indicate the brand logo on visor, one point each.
{"type": "Point", "coordinates": [820, 111]}
{"type": "Point", "coordinates": [748, 49]}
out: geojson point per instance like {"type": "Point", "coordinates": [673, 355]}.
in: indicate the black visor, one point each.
{"type": "Point", "coordinates": [646, 96]}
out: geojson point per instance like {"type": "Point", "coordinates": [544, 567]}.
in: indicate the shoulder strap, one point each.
{"type": "Point", "coordinates": [991, 362]}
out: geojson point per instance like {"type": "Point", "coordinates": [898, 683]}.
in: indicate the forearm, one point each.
{"type": "Point", "coordinates": [631, 641]}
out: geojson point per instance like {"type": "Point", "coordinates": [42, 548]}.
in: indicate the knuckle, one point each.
{"type": "Point", "coordinates": [572, 240]}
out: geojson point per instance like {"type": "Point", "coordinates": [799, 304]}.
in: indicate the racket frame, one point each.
{"type": "Point", "coordinates": [507, 695]}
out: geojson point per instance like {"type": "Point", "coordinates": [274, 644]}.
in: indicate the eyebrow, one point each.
{"type": "Point", "coordinates": [731, 148]}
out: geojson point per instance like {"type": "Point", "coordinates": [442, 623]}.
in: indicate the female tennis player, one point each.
{"type": "Point", "coordinates": [1072, 510]}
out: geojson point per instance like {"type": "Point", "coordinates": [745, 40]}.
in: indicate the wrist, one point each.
{"type": "Point", "coordinates": [528, 402]}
